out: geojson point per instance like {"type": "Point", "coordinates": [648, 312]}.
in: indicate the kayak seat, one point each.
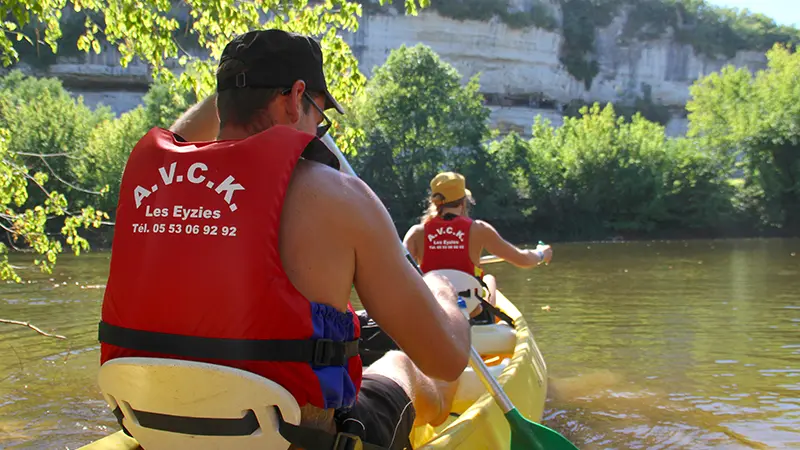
{"type": "Point", "coordinates": [471, 290]}
{"type": "Point", "coordinates": [496, 339]}
{"type": "Point", "coordinates": [467, 286]}
{"type": "Point", "coordinates": [374, 343]}
{"type": "Point", "coordinates": [174, 404]}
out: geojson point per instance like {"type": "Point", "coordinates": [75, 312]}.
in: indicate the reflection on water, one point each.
{"type": "Point", "coordinates": [649, 345]}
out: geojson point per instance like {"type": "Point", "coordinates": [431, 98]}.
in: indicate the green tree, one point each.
{"type": "Point", "coordinates": [105, 154]}
{"type": "Point", "coordinates": [148, 29]}
{"type": "Point", "coordinates": [49, 127]}
{"type": "Point", "coordinates": [42, 129]}
{"type": "Point", "coordinates": [756, 118]}
{"type": "Point", "coordinates": [599, 175]}
{"type": "Point", "coordinates": [27, 224]}
{"type": "Point", "coordinates": [418, 120]}
{"type": "Point", "coordinates": [500, 182]}
{"type": "Point", "coordinates": [104, 157]}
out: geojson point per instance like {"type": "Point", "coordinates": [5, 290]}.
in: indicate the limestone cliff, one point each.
{"type": "Point", "coordinates": [521, 72]}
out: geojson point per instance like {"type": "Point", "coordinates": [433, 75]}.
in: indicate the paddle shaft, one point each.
{"type": "Point", "coordinates": [477, 364]}
{"type": "Point", "coordinates": [491, 259]}
{"type": "Point", "coordinates": [475, 359]}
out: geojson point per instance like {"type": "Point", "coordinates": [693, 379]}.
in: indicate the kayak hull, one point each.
{"type": "Point", "coordinates": [482, 424]}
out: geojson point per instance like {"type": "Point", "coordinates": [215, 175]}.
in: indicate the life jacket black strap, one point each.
{"type": "Point", "coordinates": [317, 352]}
{"type": "Point", "coordinates": [314, 439]}
{"type": "Point", "coordinates": [303, 437]}
{"type": "Point", "coordinates": [316, 150]}
{"type": "Point", "coordinates": [199, 426]}
{"type": "Point", "coordinates": [489, 308]}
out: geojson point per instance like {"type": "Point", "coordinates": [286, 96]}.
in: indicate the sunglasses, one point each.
{"type": "Point", "coordinates": [326, 122]}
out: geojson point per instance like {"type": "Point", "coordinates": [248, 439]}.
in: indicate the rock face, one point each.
{"type": "Point", "coordinates": [520, 71]}
{"type": "Point", "coordinates": [522, 66]}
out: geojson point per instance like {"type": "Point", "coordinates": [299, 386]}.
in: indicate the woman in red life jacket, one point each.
{"type": "Point", "coordinates": [448, 239]}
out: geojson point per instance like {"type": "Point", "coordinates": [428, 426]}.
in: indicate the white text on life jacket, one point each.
{"type": "Point", "coordinates": [193, 175]}
{"type": "Point", "coordinates": [446, 231]}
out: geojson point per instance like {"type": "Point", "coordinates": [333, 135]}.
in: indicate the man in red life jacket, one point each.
{"type": "Point", "coordinates": [238, 242]}
{"type": "Point", "coordinates": [448, 239]}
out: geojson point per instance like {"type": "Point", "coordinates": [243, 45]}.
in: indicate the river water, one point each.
{"type": "Point", "coordinates": [681, 344]}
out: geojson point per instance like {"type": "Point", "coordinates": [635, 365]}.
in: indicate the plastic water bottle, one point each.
{"type": "Point", "coordinates": [462, 304]}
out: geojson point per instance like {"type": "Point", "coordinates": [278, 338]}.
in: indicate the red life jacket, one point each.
{"type": "Point", "coordinates": [196, 272]}
{"type": "Point", "coordinates": [447, 246]}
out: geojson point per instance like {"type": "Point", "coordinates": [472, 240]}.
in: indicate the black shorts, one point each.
{"type": "Point", "coordinates": [383, 414]}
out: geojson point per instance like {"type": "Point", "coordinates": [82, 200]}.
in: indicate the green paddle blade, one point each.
{"type": "Point", "coordinates": [527, 435]}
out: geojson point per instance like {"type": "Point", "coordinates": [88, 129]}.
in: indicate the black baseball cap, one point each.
{"type": "Point", "coordinates": [275, 59]}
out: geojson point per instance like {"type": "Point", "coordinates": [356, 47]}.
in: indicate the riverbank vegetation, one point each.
{"type": "Point", "coordinates": [598, 175]}
{"type": "Point", "coordinates": [603, 173]}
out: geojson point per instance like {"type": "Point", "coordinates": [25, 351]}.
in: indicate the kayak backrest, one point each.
{"type": "Point", "coordinates": [463, 282]}
{"type": "Point", "coordinates": [171, 404]}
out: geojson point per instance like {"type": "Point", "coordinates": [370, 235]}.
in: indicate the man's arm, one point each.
{"type": "Point", "coordinates": [420, 314]}
{"type": "Point", "coordinates": [496, 245]}
{"type": "Point", "coordinates": [200, 122]}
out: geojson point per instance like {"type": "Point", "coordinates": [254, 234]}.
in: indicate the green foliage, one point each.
{"type": "Point", "coordinates": [417, 119]}
{"type": "Point", "coordinates": [17, 14]}
{"type": "Point", "coordinates": [538, 15]}
{"type": "Point", "coordinates": [147, 29]}
{"type": "Point", "coordinates": [43, 129]}
{"type": "Point", "coordinates": [581, 20]}
{"type": "Point", "coordinates": [104, 156]}
{"type": "Point", "coordinates": [48, 127]}
{"type": "Point", "coordinates": [164, 103]}
{"type": "Point", "coordinates": [641, 105]}
{"type": "Point", "coordinates": [38, 54]}
{"type": "Point", "coordinates": [757, 119]}
{"type": "Point", "coordinates": [501, 184]}
{"type": "Point", "coordinates": [608, 171]}
{"type": "Point", "coordinates": [599, 175]}
{"type": "Point", "coordinates": [27, 225]}
{"type": "Point", "coordinates": [709, 29]}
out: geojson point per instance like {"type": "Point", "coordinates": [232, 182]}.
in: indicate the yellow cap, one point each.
{"type": "Point", "coordinates": [450, 185]}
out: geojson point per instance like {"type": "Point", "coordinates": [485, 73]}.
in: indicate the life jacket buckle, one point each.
{"type": "Point", "coordinates": [325, 353]}
{"type": "Point", "coordinates": [347, 441]}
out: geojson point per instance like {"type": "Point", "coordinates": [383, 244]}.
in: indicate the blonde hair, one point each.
{"type": "Point", "coordinates": [435, 206]}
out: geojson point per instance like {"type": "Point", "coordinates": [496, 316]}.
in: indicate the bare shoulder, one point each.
{"type": "Point", "coordinates": [485, 232]}
{"type": "Point", "coordinates": [413, 238]}
{"type": "Point", "coordinates": [416, 230]}
{"type": "Point", "coordinates": [330, 190]}
{"type": "Point", "coordinates": [482, 226]}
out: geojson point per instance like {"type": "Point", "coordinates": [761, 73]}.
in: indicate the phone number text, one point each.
{"type": "Point", "coordinates": [177, 228]}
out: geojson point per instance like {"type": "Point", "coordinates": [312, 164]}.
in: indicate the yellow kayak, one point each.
{"type": "Point", "coordinates": [483, 425]}
{"type": "Point", "coordinates": [520, 370]}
